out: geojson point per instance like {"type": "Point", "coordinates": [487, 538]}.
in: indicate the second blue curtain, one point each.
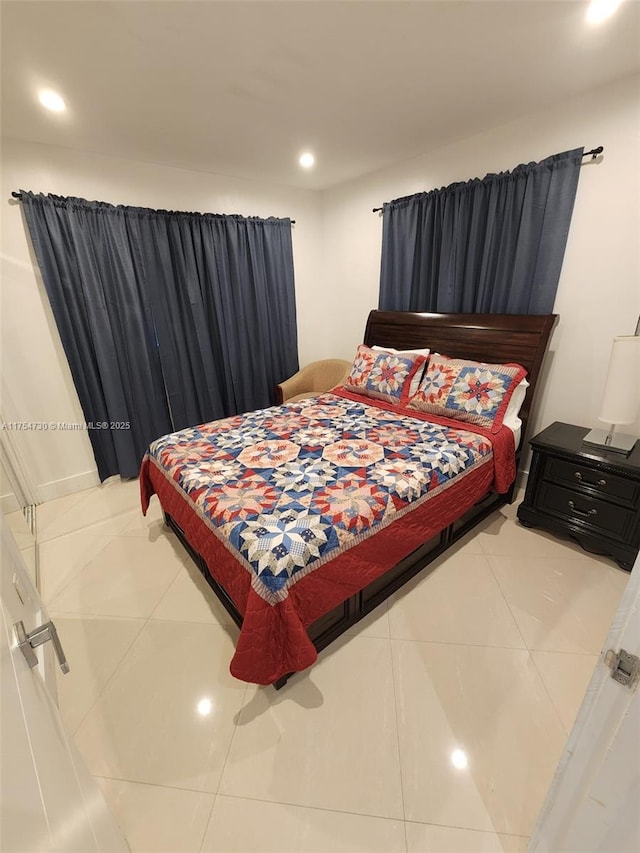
{"type": "Point", "coordinates": [491, 245]}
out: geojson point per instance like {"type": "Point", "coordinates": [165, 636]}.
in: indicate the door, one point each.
{"type": "Point", "coordinates": [18, 500]}
{"type": "Point", "coordinates": [592, 804]}
{"type": "Point", "coordinates": [49, 799]}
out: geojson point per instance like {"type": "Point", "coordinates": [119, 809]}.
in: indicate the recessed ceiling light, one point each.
{"type": "Point", "coordinates": [600, 10]}
{"type": "Point", "coordinates": [307, 160]}
{"type": "Point", "coordinates": [459, 759]}
{"type": "Point", "coordinates": [52, 101]}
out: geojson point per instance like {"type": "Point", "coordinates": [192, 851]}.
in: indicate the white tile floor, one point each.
{"type": "Point", "coordinates": [436, 725]}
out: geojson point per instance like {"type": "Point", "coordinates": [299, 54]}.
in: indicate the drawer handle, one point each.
{"type": "Point", "coordinates": [581, 479]}
{"type": "Point", "coordinates": [572, 507]}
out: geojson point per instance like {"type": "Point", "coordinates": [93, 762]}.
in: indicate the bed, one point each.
{"type": "Point", "coordinates": [304, 517]}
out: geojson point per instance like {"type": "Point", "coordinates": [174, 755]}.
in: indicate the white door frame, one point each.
{"type": "Point", "coordinates": [602, 754]}
{"type": "Point", "coordinates": [23, 488]}
{"type": "Point", "coordinates": [48, 799]}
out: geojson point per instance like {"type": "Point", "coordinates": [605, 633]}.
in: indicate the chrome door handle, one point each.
{"type": "Point", "coordinates": [40, 635]}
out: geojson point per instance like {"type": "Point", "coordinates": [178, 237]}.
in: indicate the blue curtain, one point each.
{"type": "Point", "coordinates": [485, 246]}
{"type": "Point", "coordinates": [167, 319]}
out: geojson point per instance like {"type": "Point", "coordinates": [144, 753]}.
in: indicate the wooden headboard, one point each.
{"type": "Point", "coordinates": [497, 338]}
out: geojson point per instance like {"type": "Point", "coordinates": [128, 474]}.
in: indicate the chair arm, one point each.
{"type": "Point", "coordinates": [314, 378]}
{"type": "Point", "coordinates": [296, 384]}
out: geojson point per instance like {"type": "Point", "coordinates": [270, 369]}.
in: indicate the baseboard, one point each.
{"type": "Point", "coordinates": [68, 486]}
{"type": "Point", "coordinates": [521, 480]}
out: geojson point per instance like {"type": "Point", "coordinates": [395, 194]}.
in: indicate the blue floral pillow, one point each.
{"type": "Point", "coordinates": [468, 391]}
{"type": "Point", "coordinates": [383, 375]}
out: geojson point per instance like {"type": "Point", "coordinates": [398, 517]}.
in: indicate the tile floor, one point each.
{"type": "Point", "coordinates": [435, 726]}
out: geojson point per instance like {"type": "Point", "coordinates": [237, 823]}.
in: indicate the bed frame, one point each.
{"type": "Point", "coordinates": [496, 338]}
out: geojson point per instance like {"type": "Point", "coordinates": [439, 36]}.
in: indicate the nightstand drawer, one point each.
{"type": "Point", "coordinates": [606, 484]}
{"type": "Point", "coordinates": [598, 514]}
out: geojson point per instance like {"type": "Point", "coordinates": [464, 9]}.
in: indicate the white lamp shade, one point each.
{"type": "Point", "coordinates": [622, 386]}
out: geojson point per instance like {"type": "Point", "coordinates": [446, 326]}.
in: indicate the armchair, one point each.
{"type": "Point", "coordinates": [315, 378]}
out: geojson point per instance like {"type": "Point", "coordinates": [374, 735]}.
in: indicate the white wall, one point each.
{"type": "Point", "coordinates": [337, 258]}
{"type": "Point", "coordinates": [599, 291]}
{"type": "Point", "coordinates": [36, 381]}
{"type": "Point", "coordinates": [8, 500]}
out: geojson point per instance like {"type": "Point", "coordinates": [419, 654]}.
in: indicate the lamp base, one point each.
{"type": "Point", "coordinates": [616, 442]}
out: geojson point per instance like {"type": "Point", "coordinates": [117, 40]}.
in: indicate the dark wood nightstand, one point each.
{"type": "Point", "coordinates": [588, 494]}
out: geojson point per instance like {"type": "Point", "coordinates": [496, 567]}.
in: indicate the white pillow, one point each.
{"type": "Point", "coordinates": [511, 418]}
{"type": "Point", "coordinates": [415, 382]}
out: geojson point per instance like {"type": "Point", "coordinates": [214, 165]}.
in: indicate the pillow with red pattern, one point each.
{"type": "Point", "coordinates": [468, 391]}
{"type": "Point", "coordinates": [383, 375]}
{"type": "Point", "coordinates": [417, 376]}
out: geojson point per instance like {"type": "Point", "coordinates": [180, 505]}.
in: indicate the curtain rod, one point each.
{"type": "Point", "coordinates": [19, 197]}
{"type": "Point", "coordinates": [594, 153]}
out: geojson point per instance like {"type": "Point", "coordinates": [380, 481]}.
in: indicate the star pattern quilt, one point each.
{"type": "Point", "coordinates": [281, 496]}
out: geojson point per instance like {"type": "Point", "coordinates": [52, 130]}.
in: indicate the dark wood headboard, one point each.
{"type": "Point", "coordinates": [497, 338]}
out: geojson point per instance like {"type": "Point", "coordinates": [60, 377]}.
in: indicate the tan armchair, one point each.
{"type": "Point", "coordinates": [315, 378]}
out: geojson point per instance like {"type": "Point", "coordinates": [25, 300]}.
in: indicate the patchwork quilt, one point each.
{"type": "Point", "coordinates": [296, 507]}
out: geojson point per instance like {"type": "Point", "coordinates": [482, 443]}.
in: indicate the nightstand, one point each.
{"type": "Point", "coordinates": [589, 494]}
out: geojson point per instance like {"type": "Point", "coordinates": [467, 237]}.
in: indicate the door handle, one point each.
{"type": "Point", "coordinates": [40, 635]}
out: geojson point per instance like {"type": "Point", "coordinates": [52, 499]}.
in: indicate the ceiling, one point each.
{"type": "Point", "coordinates": [241, 88]}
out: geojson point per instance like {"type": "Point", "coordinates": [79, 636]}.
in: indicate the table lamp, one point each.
{"type": "Point", "coordinates": [621, 396]}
